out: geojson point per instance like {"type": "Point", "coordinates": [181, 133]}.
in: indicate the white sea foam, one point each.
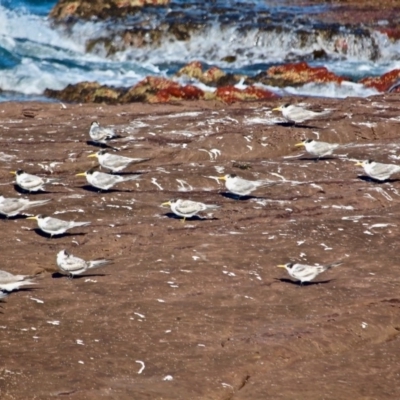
{"type": "Point", "coordinates": [45, 55]}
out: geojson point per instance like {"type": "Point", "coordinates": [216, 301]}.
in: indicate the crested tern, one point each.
{"type": "Point", "coordinates": [188, 208]}
{"type": "Point", "coordinates": [316, 148]}
{"type": "Point", "coordinates": [12, 206]}
{"type": "Point", "coordinates": [306, 273]}
{"type": "Point", "coordinates": [297, 114]}
{"type": "Point", "coordinates": [242, 187]}
{"type": "Point", "coordinates": [378, 171]}
{"type": "Point", "coordinates": [103, 181]}
{"type": "Point", "coordinates": [100, 134]}
{"type": "Point", "coordinates": [10, 282]}
{"type": "Point", "coordinates": [29, 182]}
{"type": "Point", "coordinates": [71, 265]}
{"type": "Point", "coordinates": [114, 162]}
{"type": "Point", "coordinates": [55, 226]}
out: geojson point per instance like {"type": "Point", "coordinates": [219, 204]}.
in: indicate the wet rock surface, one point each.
{"type": "Point", "coordinates": [198, 310]}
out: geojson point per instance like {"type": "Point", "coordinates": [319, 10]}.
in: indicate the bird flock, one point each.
{"type": "Point", "coordinates": [67, 263]}
{"type": "Point", "coordinates": [238, 187]}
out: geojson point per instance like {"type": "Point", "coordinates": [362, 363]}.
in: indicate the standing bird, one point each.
{"type": "Point", "coordinates": [29, 182]}
{"type": "Point", "coordinates": [316, 148]}
{"type": "Point", "coordinates": [306, 273]}
{"type": "Point", "coordinates": [103, 181]}
{"type": "Point", "coordinates": [113, 162]}
{"type": "Point", "coordinates": [379, 171]}
{"type": "Point", "coordinates": [242, 187]}
{"type": "Point", "coordinates": [10, 282]}
{"type": "Point", "coordinates": [71, 265]}
{"type": "Point", "coordinates": [188, 208]}
{"type": "Point", "coordinates": [99, 134]}
{"type": "Point", "coordinates": [55, 226]}
{"type": "Point", "coordinates": [299, 114]}
{"type": "Point", "coordinates": [11, 206]}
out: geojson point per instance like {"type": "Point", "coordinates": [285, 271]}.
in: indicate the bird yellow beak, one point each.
{"type": "Point", "coordinates": [81, 174]}
{"type": "Point", "coordinates": [221, 178]}
{"type": "Point", "coordinates": [359, 163]}
{"type": "Point", "coordinates": [35, 217]}
{"type": "Point", "coordinates": [13, 172]}
{"type": "Point", "coordinates": [92, 155]}
{"type": "Point", "coordinates": [299, 144]}
{"type": "Point", "coordinates": [277, 108]}
{"type": "Point", "coordinates": [168, 203]}
{"type": "Point", "coordinates": [281, 266]}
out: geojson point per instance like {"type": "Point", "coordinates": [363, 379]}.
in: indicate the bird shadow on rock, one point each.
{"type": "Point", "coordinates": [48, 236]}
{"type": "Point", "coordinates": [240, 198]}
{"type": "Point", "coordinates": [19, 216]}
{"type": "Point", "coordinates": [103, 145]}
{"type": "Point", "coordinates": [194, 218]}
{"type": "Point", "coordinates": [294, 125]}
{"type": "Point", "coordinates": [58, 275]}
{"type": "Point", "coordinates": [23, 191]}
{"type": "Point", "coordinates": [25, 289]}
{"type": "Point", "coordinates": [298, 283]}
{"type": "Point", "coordinates": [316, 159]}
{"type": "Point", "coordinates": [366, 178]}
{"type": "Point", "coordinates": [127, 173]}
{"type": "Point", "coordinates": [92, 189]}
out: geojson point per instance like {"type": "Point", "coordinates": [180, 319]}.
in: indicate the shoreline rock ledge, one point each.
{"type": "Point", "coordinates": [102, 9]}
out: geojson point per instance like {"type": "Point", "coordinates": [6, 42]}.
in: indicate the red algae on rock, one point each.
{"type": "Point", "coordinates": [392, 33]}
{"type": "Point", "coordinates": [154, 89]}
{"type": "Point", "coordinates": [174, 93]}
{"type": "Point", "coordinates": [230, 94]}
{"type": "Point", "coordinates": [161, 90]}
{"type": "Point", "coordinates": [384, 82]}
{"type": "Point", "coordinates": [301, 73]}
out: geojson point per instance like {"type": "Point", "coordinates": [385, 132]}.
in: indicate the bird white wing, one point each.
{"type": "Point", "coordinates": [190, 207]}
{"type": "Point", "coordinates": [7, 277]}
{"type": "Point", "coordinates": [31, 181]}
{"type": "Point", "coordinates": [72, 264]}
{"type": "Point", "coordinates": [241, 186]}
{"type": "Point", "coordinates": [306, 272]}
{"type": "Point", "coordinates": [103, 179]}
{"type": "Point", "coordinates": [113, 161]}
{"type": "Point", "coordinates": [100, 133]}
{"type": "Point", "coordinates": [323, 148]}
{"type": "Point", "coordinates": [54, 224]}
{"type": "Point", "coordinates": [383, 171]}
{"type": "Point", "coordinates": [12, 206]}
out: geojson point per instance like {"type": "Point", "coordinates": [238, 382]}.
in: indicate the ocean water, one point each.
{"type": "Point", "coordinates": [36, 54]}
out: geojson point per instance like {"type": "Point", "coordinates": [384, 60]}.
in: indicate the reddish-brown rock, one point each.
{"type": "Point", "coordinates": [154, 89]}
{"type": "Point", "coordinates": [384, 82]}
{"type": "Point", "coordinates": [230, 94]}
{"type": "Point", "coordinates": [214, 76]}
{"type": "Point", "coordinates": [161, 90]}
{"type": "Point", "coordinates": [198, 310]}
{"type": "Point", "coordinates": [87, 92]}
{"type": "Point", "coordinates": [99, 8]}
{"type": "Point", "coordinates": [392, 33]}
{"type": "Point", "coordinates": [301, 73]}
